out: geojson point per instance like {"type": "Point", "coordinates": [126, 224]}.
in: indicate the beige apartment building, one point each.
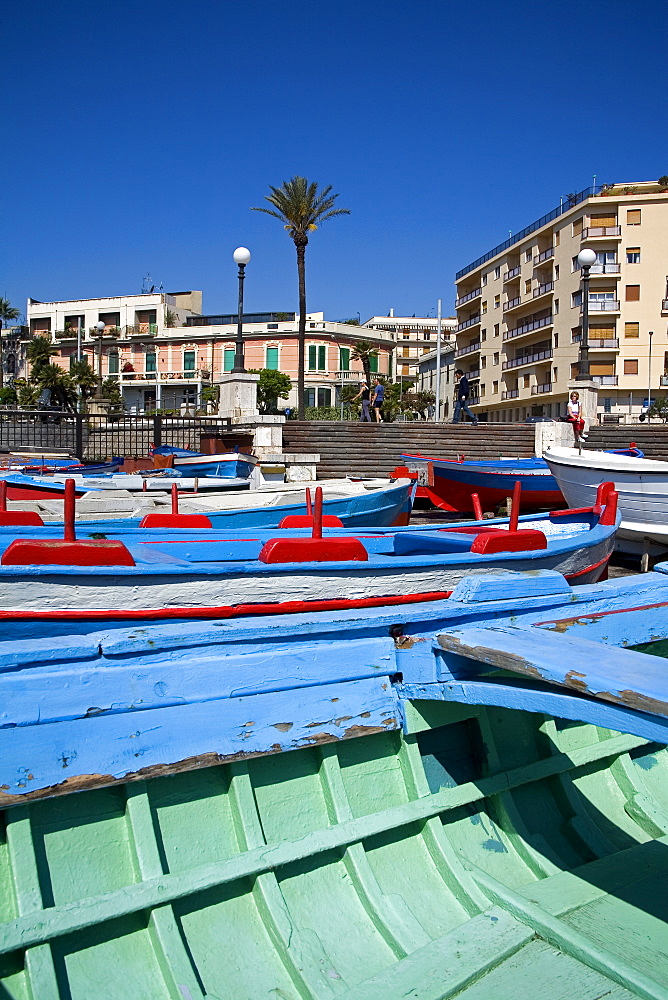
{"type": "Point", "coordinates": [519, 308]}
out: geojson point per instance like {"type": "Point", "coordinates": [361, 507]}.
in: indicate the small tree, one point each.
{"type": "Point", "coordinates": [363, 351]}
{"type": "Point", "coordinates": [59, 383]}
{"type": "Point", "coordinates": [170, 318]}
{"type": "Point", "coordinates": [26, 394]}
{"type": "Point", "coordinates": [659, 408]}
{"type": "Point", "coordinates": [112, 393]}
{"type": "Point", "coordinates": [273, 385]}
{"type": "Point", "coordinates": [39, 353]}
{"type": "Point", "coordinates": [84, 378]}
{"type": "Point", "coordinates": [353, 321]}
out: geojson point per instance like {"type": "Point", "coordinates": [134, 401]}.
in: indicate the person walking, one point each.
{"type": "Point", "coordinates": [365, 393]}
{"type": "Point", "coordinates": [575, 418]}
{"type": "Point", "coordinates": [462, 390]}
{"type": "Point", "coordinates": [378, 399]}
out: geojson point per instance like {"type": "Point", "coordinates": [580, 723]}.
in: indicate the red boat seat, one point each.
{"type": "Point", "coordinates": [306, 521]}
{"type": "Point", "coordinates": [58, 552]}
{"type": "Point", "coordinates": [295, 550]}
{"type": "Point", "coordinates": [524, 540]}
{"type": "Point", "coordinates": [11, 518]}
{"type": "Point", "coordinates": [175, 521]}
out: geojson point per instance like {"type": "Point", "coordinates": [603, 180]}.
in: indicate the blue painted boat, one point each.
{"type": "Point", "coordinates": [147, 578]}
{"type": "Point", "coordinates": [193, 463]}
{"type": "Point", "coordinates": [450, 485]}
{"type": "Point", "coordinates": [346, 806]}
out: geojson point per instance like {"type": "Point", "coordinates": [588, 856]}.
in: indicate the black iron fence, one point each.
{"type": "Point", "coordinates": [96, 437]}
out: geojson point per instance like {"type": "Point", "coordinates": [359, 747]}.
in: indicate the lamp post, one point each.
{"type": "Point", "coordinates": [438, 362]}
{"type": "Point", "coordinates": [99, 326]}
{"type": "Point", "coordinates": [585, 259]}
{"type": "Point", "coordinates": [649, 375]}
{"type": "Point", "coordinates": [241, 256]}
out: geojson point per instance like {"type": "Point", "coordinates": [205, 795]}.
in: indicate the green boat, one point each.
{"type": "Point", "coordinates": [463, 850]}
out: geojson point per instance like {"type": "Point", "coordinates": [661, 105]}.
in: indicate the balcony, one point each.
{"type": "Point", "coordinates": [66, 334]}
{"type": "Point", "coordinates": [512, 303]}
{"type": "Point", "coordinates": [597, 269]}
{"type": "Point", "coordinates": [598, 343]}
{"type": "Point", "coordinates": [468, 297]}
{"type": "Point", "coordinates": [141, 330]}
{"type": "Point", "coordinates": [471, 349]}
{"type": "Point", "coordinates": [603, 305]}
{"type": "Point", "coordinates": [547, 286]}
{"type": "Point", "coordinates": [545, 255]}
{"type": "Point", "coordinates": [664, 305]}
{"type": "Point", "coordinates": [600, 232]}
{"type": "Point", "coordinates": [510, 394]}
{"type": "Point", "coordinates": [527, 359]}
{"type": "Point", "coordinates": [536, 324]}
{"type": "Point", "coordinates": [605, 379]}
{"type": "Point", "coordinates": [348, 376]}
{"type": "Point", "coordinates": [473, 321]}
{"type": "Point", "coordinates": [514, 272]}
{"type": "Point", "coordinates": [536, 390]}
{"type": "Point", "coordinates": [178, 374]}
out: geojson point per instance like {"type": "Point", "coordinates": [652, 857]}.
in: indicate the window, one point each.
{"type": "Point", "coordinates": [310, 397]}
{"type": "Point", "coordinates": [324, 397]}
{"type": "Point", "coordinates": [344, 359]}
{"type": "Point", "coordinates": [322, 358]}
{"type": "Point", "coordinates": [228, 359]}
{"type": "Point", "coordinates": [483, 362]}
{"type": "Point", "coordinates": [496, 357]}
{"type": "Point", "coordinates": [577, 227]}
{"type": "Point", "coordinates": [556, 272]}
{"type": "Point", "coordinates": [483, 336]}
{"type": "Point", "coordinates": [556, 341]}
{"type": "Point", "coordinates": [527, 286]}
{"type": "Point", "coordinates": [632, 329]}
{"type": "Point", "coordinates": [426, 334]}
{"type": "Point", "coordinates": [633, 293]}
{"type": "Point", "coordinates": [482, 389]}
{"type": "Point", "coordinates": [603, 221]}
{"type": "Point", "coordinates": [406, 334]}
{"type": "Point", "coordinates": [405, 352]}
{"type": "Point", "coordinates": [496, 329]}
{"type": "Point", "coordinates": [555, 372]}
{"type": "Point", "coordinates": [373, 364]}
{"type": "Point", "coordinates": [630, 366]}
{"type": "Point", "coordinates": [495, 386]}
{"type": "Point", "coordinates": [113, 363]}
{"type": "Point", "coordinates": [497, 301]}
{"type": "Point", "coordinates": [497, 271]}
{"type": "Point", "coordinates": [576, 299]}
{"type": "Point", "coordinates": [555, 308]}
{"type": "Point", "coordinates": [484, 307]}
{"type": "Point", "coordinates": [150, 362]}
{"type": "Point", "coordinates": [312, 358]}
{"type": "Point", "coordinates": [272, 326]}
{"type": "Point", "coordinates": [188, 363]}
{"type": "Point", "coordinates": [526, 380]}
{"type": "Point", "coordinates": [312, 326]}
{"type": "Point", "coordinates": [484, 279]}
{"type": "Point", "coordinates": [528, 254]}
{"type": "Point", "coordinates": [272, 359]}
{"type": "Point", "coordinates": [557, 237]}
{"type": "Point", "coordinates": [633, 255]}
{"type": "Point", "coordinates": [633, 217]}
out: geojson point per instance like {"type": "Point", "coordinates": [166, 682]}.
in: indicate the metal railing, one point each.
{"type": "Point", "coordinates": [664, 305]}
{"type": "Point", "coordinates": [605, 379]}
{"type": "Point", "coordinates": [545, 255]}
{"type": "Point", "coordinates": [96, 437]}
{"type": "Point", "coordinates": [603, 305]}
{"type": "Point", "coordinates": [566, 205]}
{"type": "Point", "coordinates": [510, 394]}
{"type": "Point", "coordinates": [512, 303]}
{"type": "Point", "coordinates": [536, 324]}
{"type": "Point", "coordinates": [473, 321]}
{"type": "Point", "coordinates": [513, 272]}
{"type": "Point", "coordinates": [467, 298]}
{"type": "Point", "coordinates": [597, 343]}
{"type": "Point", "coordinates": [475, 346]}
{"type": "Point", "coordinates": [527, 359]}
{"type": "Point", "coordinates": [592, 232]}
{"type": "Point", "coordinates": [543, 289]}
{"type": "Point", "coordinates": [543, 387]}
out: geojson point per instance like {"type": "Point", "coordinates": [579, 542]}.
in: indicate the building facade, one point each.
{"type": "Point", "coordinates": [413, 335]}
{"type": "Point", "coordinates": [163, 352]}
{"type": "Point", "coordinates": [519, 307]}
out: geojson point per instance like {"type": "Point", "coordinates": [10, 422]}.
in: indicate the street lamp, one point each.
{"type": "Point", "coordinates": [241, 256]}
{"type": "Point", "coordinates": [99, 326]}
{"type": "Point", "coordinates": [585, 259]}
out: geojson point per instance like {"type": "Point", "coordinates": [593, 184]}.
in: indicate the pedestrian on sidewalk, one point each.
{"type": "Point", "coordinates": [462, 390]}
{"type": "Point", "coordinates": [365, 393]}
{"type": "Point", "coordinates": [574, 417]}
{"type": "Point", "coordinates": [378, 399]}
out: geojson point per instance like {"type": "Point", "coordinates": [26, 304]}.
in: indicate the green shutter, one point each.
{"type": "Point", "coordinates": [113, 364]}
{"type": "Point", "coordinates": [272, 358]}
{"type": "Point", "coordinates": [322, 358]}
{"type": "Point", "coordinates": [373, 363]}
{"type": "Point", "coordinates": [188, 363]}
{"type": "Point", "coordinates": [311, 357]}
{"type": "Point", "coordinates": [150, 362]}
{"type": "Point", "coordinates": [228, 361]}
{"type": "Point", "coordinates": [344, 359]}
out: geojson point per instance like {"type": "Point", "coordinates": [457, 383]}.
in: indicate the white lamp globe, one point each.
{"type": "Point", "coordinates": [241, 255]}
{"type": "Point", "coordinates": [586, 258]}
{"type": "Point", "coordinates": [100, 326]}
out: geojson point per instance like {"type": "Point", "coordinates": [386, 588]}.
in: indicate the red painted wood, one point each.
{"type": "Point", "coordinates": [528, 539]}
{"type": "Point", "coordinates": [292, 550]}
{"type": "Point", "coordinates": [306, 521]}
{"type": "Point", "coordinates": [63, 552]}
{"type": "Point", "coordinates": [69, 534]}
{"type": "Point", "coordinates": [16, 518]}
{"type": "Point", "coordinates": [477, 509]}
{"type": "Point", "coordinates": [609, 515]}
{"type": "Point", "coordinates": [515, 507]}
{"type": "Point", "coordinates": [175, 499]}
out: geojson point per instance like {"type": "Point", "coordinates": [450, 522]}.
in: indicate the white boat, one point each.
{"type": "Point", "coordinates": [641, 483]}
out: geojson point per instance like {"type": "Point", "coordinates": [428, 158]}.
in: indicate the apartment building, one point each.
{"type": "Point", "coordinates": [163, 352]}
{"type": "Point", "coordinates": [519, 307]}
{"type": "Point", "coordinates": [413, 335]}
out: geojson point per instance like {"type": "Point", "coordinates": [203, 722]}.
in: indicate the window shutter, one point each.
{"type": "Point", "coordinates": [601, 332]}
{"type": "Point", "coordinates": [312, 356]}
{"type": "Point", "coordinates": [602, 367]}
{"type": "Point", "coordinates": [322, 357]}
{"type": "Point", "coordinates": [577, 227]}
{"type": "Point", "coordinates": [603, 221]}
{"type": "Point", "coordinates": [373, 363]}
{"type": "Point", "coordinates": [189, 361]}
{"type": "Point", "coordinates": [632, 329]}
{"type": "Point", "coordinates": [150, 362]}
{"type": "Point", "coordinates": [633, 293]}
{"type": "Point", "coordinates": [113, 364]}
{"type": "Point", "coordinates": [272, 358]}
{"type": "Point", "coordinates": [633, 217]}
{"type": "Point", "coordinates": [344, 359]}
{"type": "Point", "coordinates": [631, 366]}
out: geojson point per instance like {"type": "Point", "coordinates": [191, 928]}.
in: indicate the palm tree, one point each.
{"type": "Point", "coordinates": [301, 208]}
{"type": "Point", "coordinates": [84, 378]}
{"type": "Point", "coordinates": [59, 382]}
{"type": "Point", "coordinates": [38, 353]}
{"type": "Point", "coordinates": [7, 311]}
{"type": "Point", "coordinates": [363, 351]}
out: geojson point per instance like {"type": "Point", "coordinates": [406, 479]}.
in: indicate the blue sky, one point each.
{"type": "Point", "coordinates": [139, 134]}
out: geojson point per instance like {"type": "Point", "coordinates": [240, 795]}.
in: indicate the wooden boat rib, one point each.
{"type": "Point", "coordinates": [474, 851]}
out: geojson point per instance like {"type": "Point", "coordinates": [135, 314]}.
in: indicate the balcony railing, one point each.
{"type": "Point", "coordinates": [512, 273]}
{"type": "Point", "coordinates": [605, 269]}
{"type": "Point", "coordinates": [543, 387]}
{"type": "Point", "coordinates": [348, 376]}
{"type": "Point", "coordinates": [180, 374]}
{"type": "Point", "coordinates": [467, 323]}
{"type": "Point", "coordinates": [603, 305]}
{"type": "Point", "coordinates": [593, 232]}
{"type": "Point", "coordinates": [598, 343]}
{"type": "Point", "coordinates": [510, 394]}
{"type": "Point", "coordinates": [543, 289]}
{"type": "Point", "coordinates": [471, 349]}
{"type": "Point", "coordinates": [467, 298]}
{"type": "Point", "coordinates": [512, 303]}
{"type": "Point", "coordinates": [545, 255]}
{"type": "Point", "coordinates": [527, 359]}
{"type": "Point", "coordinates": [141, 330]}
{"type": "Point", "coordinates": [605, 379]}
{"type": "Point", "coordinates": [536, 324]}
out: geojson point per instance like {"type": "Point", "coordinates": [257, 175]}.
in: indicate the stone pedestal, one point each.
{"type": "Point", "coordinates": [588, 400]}
{"type": "Point", "coordinates": [238, 396]}
{"type": "Point", "coordinates": [97, 406]}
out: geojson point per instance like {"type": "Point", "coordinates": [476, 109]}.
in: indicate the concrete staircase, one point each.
{"type": "Point", "coordinates": [653, 440]}
{"type": "Point", "coordinates": [347, 447]}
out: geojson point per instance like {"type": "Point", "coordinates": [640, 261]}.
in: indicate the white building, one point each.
{"type": "Point", "coordinates": [414, 336]}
